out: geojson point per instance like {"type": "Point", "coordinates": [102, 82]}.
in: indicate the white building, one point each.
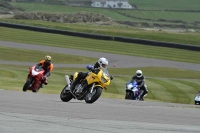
{"type": "Point", "coordinates": [111, 4]}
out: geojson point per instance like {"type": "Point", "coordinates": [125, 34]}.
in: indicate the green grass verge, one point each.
{"type": "Point", "coordinates": [167, 4]}
{"type": "Point", "coordinates": [187, 17]}
{"type": "Point", "coordinates": [191, 17]}
{"type": "Point", "coordinates": [161, 72]}
{"type": "Point", "coordinates": [42, 7]}
{"type": "Point", "coordinates": [12, 54]}
{"type": "Point", "coordinates": [148, 5]}
{"type": "Point", "coordinates": [45, 39]}
{"type": "Point", "coordinates": [164, 84]}
{"type": "Point", "coordinates": [115, 30]}
{"type": "Point", "coordinates": [160, 89]}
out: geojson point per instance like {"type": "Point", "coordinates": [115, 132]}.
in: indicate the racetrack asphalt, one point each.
{"type": "Point", "coordinates": [121, 61]}
{"type": "Point", "coordinates": [27, 112]}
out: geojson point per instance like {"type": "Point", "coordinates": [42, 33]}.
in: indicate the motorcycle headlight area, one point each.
{"type": "Point", "coordinates": [34, 72]}
{"type": "Point", "coordinates": [103, 79]}
{"type": "Point", "coordinates": [129, 86]}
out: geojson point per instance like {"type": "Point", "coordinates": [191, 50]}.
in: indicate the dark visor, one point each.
{"type": "Point", "coordinates": [104, 65]}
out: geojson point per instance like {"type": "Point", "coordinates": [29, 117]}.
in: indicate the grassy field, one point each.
{"type": "Point", "coordinates": [167, 35]}
{"type": "Point", "coordinates": [142, 5]}
{"type": "Point", "coordinates": [186, 17]}
{"type": "Point", "coordinates": [24, 36]}
{"type": "Point", "coordinates": [167, 4]}
{"type": "Point", "coordinates": [116, 30]}
{"type": "Point", "coordinates": [164, 84]}
{"type": "Point", "coordinates": [160, 89]}
{"type": "Point", "coordinates": [151, 4]}
{"type": "Point", "coordinates": [7, 54]}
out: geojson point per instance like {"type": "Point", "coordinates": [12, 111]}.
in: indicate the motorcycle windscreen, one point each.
{"type": "Point", "coordinates": [197, 97]}
{"type": "Point", "coordinates": [129, 86]}
{"type": "Point", "coordinates": [105, 72]}
{"type": "Point", "coordinates": [36, 70]}
{"type": "Point", "coordinates": [105, 78]}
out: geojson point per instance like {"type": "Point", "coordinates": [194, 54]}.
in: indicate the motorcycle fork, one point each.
{"type": "Point", "coordinates": [91, 90]}
{"type": "Point", "coordinates": [28, 76]}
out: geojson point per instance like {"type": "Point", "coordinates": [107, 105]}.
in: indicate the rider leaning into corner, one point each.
{"type": "Point", "coordinates": [101, 63]}
{"type": "Point", "coordinates": [140, 79]}
{"type": "Point", "coordinates": [48, 67]}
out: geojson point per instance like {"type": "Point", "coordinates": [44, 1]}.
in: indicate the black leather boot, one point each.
{"type": "Point", "coordinates": [141, 98]}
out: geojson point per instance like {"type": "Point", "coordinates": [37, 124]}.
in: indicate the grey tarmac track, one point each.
{"type": "Point", "coordinates": [27, 112]}
{"type": "Point", "coordinates": [122, 61]}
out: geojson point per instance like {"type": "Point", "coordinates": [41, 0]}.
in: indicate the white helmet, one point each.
{"type": "Point", "coordinates": [139, 73]}
{"type": "Point", "coordinates": [103, 62]}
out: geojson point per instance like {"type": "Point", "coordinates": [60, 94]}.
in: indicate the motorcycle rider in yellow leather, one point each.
{"type": "Point", "coordinates": [102, 63]}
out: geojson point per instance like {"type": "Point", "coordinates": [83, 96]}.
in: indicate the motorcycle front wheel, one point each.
{"type": "Point", "coordinates": [65, 95]}
{"type": "Point", "coordinates": [27, 84]}
{"type": "Point", "coordinates": [92, 97]}
{"type": "Point", "coordinates": [197, 102]}
{"type": "Point", "coordinates": [129, 95]}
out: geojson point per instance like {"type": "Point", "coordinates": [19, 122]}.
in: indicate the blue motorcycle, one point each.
{"type": "Point", "coordinates": [132, 91]}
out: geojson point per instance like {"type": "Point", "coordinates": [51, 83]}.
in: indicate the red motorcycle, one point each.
{"type": "Point", "coordinates": [34, 79]}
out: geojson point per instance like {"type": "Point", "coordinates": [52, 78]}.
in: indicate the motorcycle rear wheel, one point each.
{"type": "Point", "coordinates": [65, 95]}
{"type": "Point", "coordinates": [27, 84]}
{"type": "Point", "coordinates": [90, 98]}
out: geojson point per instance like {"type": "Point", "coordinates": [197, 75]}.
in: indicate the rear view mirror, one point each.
{"type": "Point", "coordinates": [111, 77]}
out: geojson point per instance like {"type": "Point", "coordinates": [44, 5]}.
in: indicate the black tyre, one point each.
{"type": "Point", "coordinates": [133, 97]}
{"type": "Point", "coordinates": [90, 98]}
{"type": "Point", "coordinates": [34, 91]}
{"type": "Point", "coordinates": [65, 95]}
{"type": "Point", "coordinates": [196, 103]}
{"type": "Point", "coordinates": [27, 84]}
{"type": "Point", "coordinates": [129, 95]}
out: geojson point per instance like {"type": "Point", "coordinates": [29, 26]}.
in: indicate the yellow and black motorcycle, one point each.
{"type": "Point", "coordinates": [91, 86]}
